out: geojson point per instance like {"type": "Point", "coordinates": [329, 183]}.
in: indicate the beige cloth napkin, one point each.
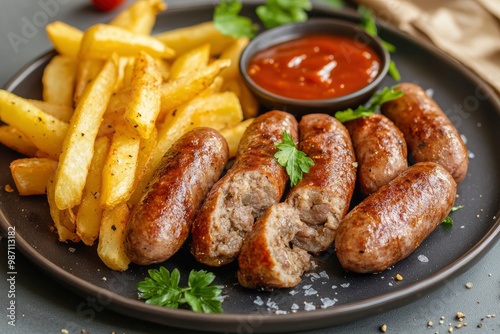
{"type": "Point", "coordinates": [468, 30]}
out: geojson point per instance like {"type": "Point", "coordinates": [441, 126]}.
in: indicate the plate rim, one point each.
{"type": "Point", "coordinates": [267, 322]}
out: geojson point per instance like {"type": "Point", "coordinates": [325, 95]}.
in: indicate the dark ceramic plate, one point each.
{"type": "Point", "coordinates": [329, 295]}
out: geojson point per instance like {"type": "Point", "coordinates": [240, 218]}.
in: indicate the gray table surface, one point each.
{"type": "Point", "coordinates": [43, 306]}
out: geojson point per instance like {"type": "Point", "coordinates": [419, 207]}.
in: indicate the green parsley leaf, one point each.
{"type": "Point", "coordinates": [379, 98]}
{"type": "Point", "coordinates": [278, 12]}
{"type": "Point", "coordinates": [295, 162]}
{"type": "Point", "coordinates": [228, 21]}
{"type": "Point", "coordinates": [369, 25]}
{"type": "Point", "coordinates": [448, 220]}
{"type": "Point", "coordinates": [162, 289]}
{"type": "Point", "coordinates": [334, 3]}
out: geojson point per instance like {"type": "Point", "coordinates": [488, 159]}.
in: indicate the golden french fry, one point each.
{"type": "Point", "coordinates": [111, 236]}
{"type": "Point", "coordinates": [102, 40]}
{"type": "Point", "coordinates": [249, 104]}
{"type": "Point", "coordinates": [184, 39]}
{"type": "Point", "coordinates": [17, 141]}
{"type": "Point", "coordinates": [233, 53]}
{"type": "Point", "coordinates": [144, 100]}
{"type": "Point", "coordinates": [60, 217]}
{"type": "Point", "coordinates": [45, 131]}
{"type": "Point", "coordinates": [62, 113]}
{"type": "Point", "coordinates": [140, 17]}
{"type": "Point", "coordinates": [218, 111]}
{"type": "Point", "coordinates": [118, 174]}
{"type": "Point", "coordinates": [233, 135]}
{"type": "Point", "coordinates": [144, 160]}
{"type": "Point", "coordinates": [87, 71]}
{"type": "Point", "coordinates": [78, 145]}
{"type": "Point", "coordinates": [88, 218]}
{"type": "Point", "coordinates": [177, 92]}
{"type": "Point", "coordinates": [31, 175]}
{"type": "Point", "coordinates": [65, 38]}
{"type": "Point", "coordinates": [58, 80]}
{"type": "Point", "coordinates": [164, 67]}
{"type": "Point", "coordinates": [190, 61]}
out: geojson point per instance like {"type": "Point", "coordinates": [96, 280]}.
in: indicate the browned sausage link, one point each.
{"type": "Point", "coordinates": [323, 195]}
{"type": "Point", "coordinates": [267, 260]}
{"type": "Point", "coordinates": [391, 223]}
{"type": "Point", "coordinates": [429, 134]}
{"type": "Point", "coordinates": [161, 221]}
{"type": "Point", "coordinates": [380, 151]}
{"type": "Point", "coordinates": [252, 184]}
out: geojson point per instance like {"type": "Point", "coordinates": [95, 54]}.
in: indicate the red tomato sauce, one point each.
{"type": "Point", "coordinates": [315, 67]}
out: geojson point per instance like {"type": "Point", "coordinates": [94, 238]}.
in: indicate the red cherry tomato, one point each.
{"type": "Point", "coordinates": [107, 5]}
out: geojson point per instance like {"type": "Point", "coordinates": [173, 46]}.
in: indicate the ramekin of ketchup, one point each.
{"type": "Point", "coordinates": [323, 64]}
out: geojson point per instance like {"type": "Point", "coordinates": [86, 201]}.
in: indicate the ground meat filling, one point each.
{"type": "Point", "coordinates": [245, 199]}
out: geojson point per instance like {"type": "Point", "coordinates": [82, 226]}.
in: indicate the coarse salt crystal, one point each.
{"type": "Point", "coordinates": [258, 301]}
{"type": "Point", "coordinates": [293, 292]}
{"type": "Point", "coordinates": [323, 274]}
{"type": "Point", "coordinates": [310, 292]}
{"type": "Point", "coordinates": [309, 307]}
{"type": "Point", "coordinates": [423, 258]}
{"type": "Point", "coordinates": [294, 306]}
{"type": "Point", "coordinates": [327, 302]}
{"type": "Point", "coordinates": [345, 285]}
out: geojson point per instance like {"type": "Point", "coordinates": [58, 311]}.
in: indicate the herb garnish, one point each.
{"type": "Point", "coordinates": [278, 12]}
{"type": "Point", "coordinates": [448, 220]}
{"type": "Point", "coordinates": [369, 25]}
{"type": "Point", "coordinates": [379, 98]}
{"type": "Point", "coordinates": [295, 162]}
{"type": "Point", "coordinates": [228, 21]}
{"type": "Point", "coordinates": [273, 13]}
{"type": "Point", "coordinates": [162, 288]}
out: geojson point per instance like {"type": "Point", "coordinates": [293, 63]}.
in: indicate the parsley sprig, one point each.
{"type": "Point", "coordinates": [379, 98]}
{"type": "Point", "coordinates": [272, 13]}
{"type": "Point", "coordinates": [448, 220]}
{"type": "Point", "coordinates": [162, 288]}
{"type": "Point", "coordinates": [295, 162]}
{"type": "Point", "coordinates": [228, 21]}
{"type": "Point", "coordinates": [369, 25]}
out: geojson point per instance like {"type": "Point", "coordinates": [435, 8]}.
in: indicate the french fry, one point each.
{"type": "Point", "coordinates": [31, 175]}
{"type": "Point", "coordinates": [233, 135]}
{"type": "Point", "coordinates": [144, 100]}
{"type": "Point", "coordinates": [88, 218]}
{"type": "Point", "coordinates": [45, 131]}
{"type": "Point", "coordinates": [118, 174]}
{"type": "Point", "coordinates": [111, 236]}
{"type": "Point", "coordinates": [102, 40]}
{"type": "Point", "coordinates": [190, 61]}
{"type": "Point", "coordinates": [233, 53]}
{"type": "Point", "coordinates": [249, 104]}
{"type": "Point", "coordinates": [218, 111]}
{"type": "Point", "coordinates": [177, 92]}
{"type": "Point", "coordinates": [65, 38]}
{"type": "Point", "coordinates": [87, 71]}
{"type": "Point", "coordinates": [62, 113]}
{"type": "Point", "coordinates": [140, 17]}
{"type": "Point", "coordinates": [58, 80]}
{"type": "Point", "coordinates": [78, 144]}
{"type": "Point", "coordinates": [17, 141]}
{"type": "Point", "coordinates": [60, 218]}
{"type": "Point", "coordinates": [184, 39]}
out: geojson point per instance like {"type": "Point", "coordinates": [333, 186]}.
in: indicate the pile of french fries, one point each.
{"type": "Point", "coordinates": [115, 98]}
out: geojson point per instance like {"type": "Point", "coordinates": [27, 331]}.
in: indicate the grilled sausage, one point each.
{"type": "Point", "coordinates": [428, 132]}
{"type": "Point", "coordinates": [323, 195]}
{"type": "Point", "coordinates": [251, 185]}
{"type": "Point", "coordinates": [161, 221]}
{"type": "Point", "coordinates": [380, 151]}
{"type": "Point", "coordinates": [391, 223]}
{"type": "Point", "coordinates": [267, 260]}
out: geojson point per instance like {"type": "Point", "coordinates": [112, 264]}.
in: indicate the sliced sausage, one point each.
{"type": "Point", "coordinates": [380, 149]}
{"type": "Point", "coordinates": [428, 132]}
{"type": "Point", "coordinates": [267, 259]}
{"type": "Point", "coordinates": [251, 185]}
{"type": "Point", "coordinates": [161, 221]}
{"type": "Point", "coordinates": [391, 223]}
{"type": "Point", "coordinates": [323, 195]}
